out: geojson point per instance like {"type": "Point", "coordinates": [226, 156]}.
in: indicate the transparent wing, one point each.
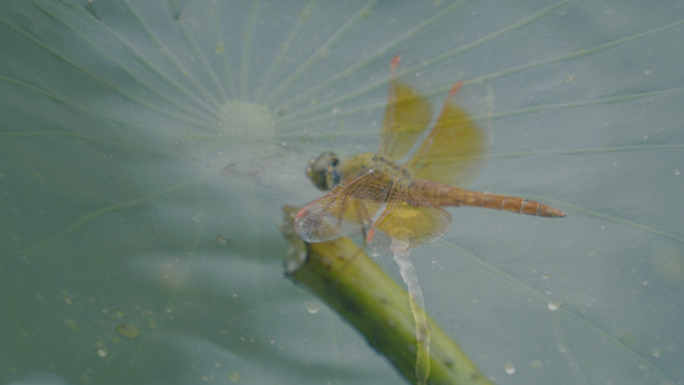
{"type": "Point", "coordinates": [409, 220]}
{"type": "Point", "coordinates": [346, 209]}
{"type": "Point", "coordinates": [406, 116]}
{"type": "Point", "coordinates": [455, 149]}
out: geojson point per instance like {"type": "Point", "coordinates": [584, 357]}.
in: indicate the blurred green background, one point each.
{"type": "Point", "coordinates": [128, 256]}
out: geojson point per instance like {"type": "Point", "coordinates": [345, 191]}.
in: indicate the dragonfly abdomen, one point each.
{"type": "Point", "coordinates": [443, 195]}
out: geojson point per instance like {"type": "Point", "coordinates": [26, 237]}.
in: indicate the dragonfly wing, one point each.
{"type": "Point", "coordinates": [345, 210]}
{"type": "Point", "coordinates": [407, 115]}
{"type": "Point", "coordinates": [409, 220]}
{"type": "Point", "coordinates": [455, 149]}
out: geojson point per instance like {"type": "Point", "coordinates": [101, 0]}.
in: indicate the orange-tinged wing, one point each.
{"type": "Point", "coordinates": [345, 209]}
{"type": "Point", "coordinates": [406, 116]}
{"type": "Point", "coordinates": [409, 220]}
{"type": "Point", "coordinates": [455, 149]}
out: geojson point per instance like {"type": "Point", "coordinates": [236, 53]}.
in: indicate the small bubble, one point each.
{"type": "Point", "coordinates": [536, 364]}
{"type": "Point", "coordinates": [509, 368]}
{"type": "Point", "coordinates": [366, 13]}
{"type": "Point", "coordinates": [546, 276]}
{"type": "Point", "coordinates": [102, 353]}
{"type": "Point", "coordinates": [571, 78]}
{"type": "Point", "coordinates": [312, 308]}
{"type": "Point", "coordinates": [220, 48]}
{"type": "Point", "coordinates": [677, 172]}
{"type": "Point", "coordinates": [648, 72]}
{"type": "Point", "coordinates": [335, 110]}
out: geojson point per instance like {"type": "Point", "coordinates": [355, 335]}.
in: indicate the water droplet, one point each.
{"type": "Point", "coordinates": [627, 338]}
{"type": "Point", "coordinates": [509, 368]}
{"type": "Point", "coordinates": [128, 330]}
{"type": "Point", "coordinates": [102, 353]}
{"type": "Point", "coordinates": [335, 110]}
{"type": "Point", "coordinates": [220, 48]}
{"type": "Point", "coordinates": [656, 352]}
{"type": "Point", "coordinates": [536, 364]}
{"type": "Point", "coordinates": [311, 308]}
{"type": "Point", "coordinates": [554, 305]}
{"type": "Point", "coordinates": [546, 276]}
{"type": "Point", "coordinates": [223, 239]}
{"type": "Point", "coordinates": [306, 139]}
{"type": "Point", "coordinates": [234, 376]}
{"type": "Point", "coordinates": [67, 298]}
{"type": "Point", "coordinates": [570, 78]}
{"type": "Point", "coordinates": [648, 72]}
{"type": "Point", "coordinates": [677, 172]}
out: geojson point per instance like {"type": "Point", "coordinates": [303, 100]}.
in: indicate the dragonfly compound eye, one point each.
{"type": "Point", "coordinates": [324, 172]}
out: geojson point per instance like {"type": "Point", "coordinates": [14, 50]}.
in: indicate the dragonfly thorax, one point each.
{"type": "Point", "coordinates": [379, 166]}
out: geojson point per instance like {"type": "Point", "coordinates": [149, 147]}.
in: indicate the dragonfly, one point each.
{"type": "Point", "coordinates": [405, 202]}
{"type": "Point", "coordinates": [402, 205]}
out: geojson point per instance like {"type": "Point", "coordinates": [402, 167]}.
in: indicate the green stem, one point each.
{"type": "Point", "coordinates": [359, 290]}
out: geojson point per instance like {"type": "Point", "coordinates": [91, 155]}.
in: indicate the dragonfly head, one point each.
{"type": "Point", "coordinates": [325, 172]}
